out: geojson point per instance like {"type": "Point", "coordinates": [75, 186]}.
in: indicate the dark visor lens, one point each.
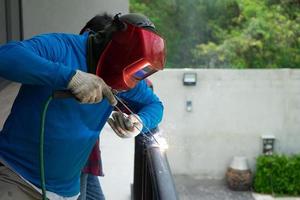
{"type": "Point", "coordinates": [143, 73]}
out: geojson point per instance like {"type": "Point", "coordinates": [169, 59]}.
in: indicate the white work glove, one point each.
{"type": "Point", "coordinates": [89, 88]}
{"type": "Point", "coordinates": [125, 126]}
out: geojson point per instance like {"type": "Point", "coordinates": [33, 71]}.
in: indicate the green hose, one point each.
{"type": "Point", "coordinates": [42, 134]}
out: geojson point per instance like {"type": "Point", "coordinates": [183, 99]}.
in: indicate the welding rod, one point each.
{"type": "Point", "coordinates": [131, 112]}
{"type": "Point", "coordinates": [62, 94]}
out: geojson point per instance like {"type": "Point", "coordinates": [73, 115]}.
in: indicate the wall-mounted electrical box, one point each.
{"type": "Point", "coordinates": [189, 106]}
{"type": "Point", "coordinates": [268, 144]}
{"type": "Point", "coordinates": [189, 79]}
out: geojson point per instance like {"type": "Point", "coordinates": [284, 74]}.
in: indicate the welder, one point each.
{"type": "Point", "coordinates": [93, 67]}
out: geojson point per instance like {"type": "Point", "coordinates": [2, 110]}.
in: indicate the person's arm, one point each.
{"type": "Point", "coordinates": [36, 61]}
{"type": "Point", "coordinates": [148, 106]}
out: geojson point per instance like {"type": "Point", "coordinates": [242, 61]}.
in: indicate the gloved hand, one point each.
{"type": "Point", "coordinates": [89, 88]}
{"type": "Point", "coordinates": [125, 126]}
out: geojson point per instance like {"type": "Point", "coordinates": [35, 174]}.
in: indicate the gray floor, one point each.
{"type": "Point", "coordinates": [190, 188]}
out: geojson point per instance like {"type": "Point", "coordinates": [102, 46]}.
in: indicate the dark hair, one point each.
{"type": "Point", "coordinates": [97, 23]}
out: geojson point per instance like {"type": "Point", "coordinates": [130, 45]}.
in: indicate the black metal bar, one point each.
{"type": "Point", "coordinates": [3, 35]}
{"type": "Point", "coordinates": [160, 173]}
{"type": "Point", "coordinates": [21, 20]}
{"type": "Point", "coordinates": [3, 32]}
{"type": "Point", "coordinates": [153, 179]}
{"type": "Point", "coordinates": [63, 94]}
{"type": "Point", "coordinates": [13, 17]}
{"type": "Point", "coordinates": [138, 169]}
{"type": "Point", "coordinates": [7, 17]}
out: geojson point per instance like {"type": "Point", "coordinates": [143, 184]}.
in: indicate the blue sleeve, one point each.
{"type": "Point", "coordinates": [146, 103]}
{"type": "Point", "coordinates": [36, 61]}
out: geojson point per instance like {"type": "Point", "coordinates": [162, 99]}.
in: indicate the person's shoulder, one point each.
{"type": "Point", "coordinates": [60, 36]}
{"type": "Point", "coordinates": [140, 89]}
{"type": "Point", "coordinates": [64, 39]}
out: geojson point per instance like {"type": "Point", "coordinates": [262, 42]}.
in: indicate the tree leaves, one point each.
{"type": "Point", "coordinates": [227, 33]}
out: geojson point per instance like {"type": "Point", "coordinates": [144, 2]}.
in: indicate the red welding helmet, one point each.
{"type": "Point", "coordinates": [134, 53]}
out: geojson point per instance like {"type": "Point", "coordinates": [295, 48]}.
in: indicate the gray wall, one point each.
{"type": "Point", "coordinates": [42, 16]}
{"type": "Point", "coordinates": [231, 110]}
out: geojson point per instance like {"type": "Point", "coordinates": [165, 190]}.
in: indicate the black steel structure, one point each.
{"type": "Point", "coordinates": [153, 179]}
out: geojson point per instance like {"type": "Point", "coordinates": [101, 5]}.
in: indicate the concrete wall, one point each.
{"type": "Point", "coordinates": [42, 16]}
{"type": "Point", "coordinates": [231, 110]}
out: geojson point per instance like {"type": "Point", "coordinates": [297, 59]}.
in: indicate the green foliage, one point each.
{"type": "Point", "coordinates": [268, 38]}
{"type": "Point", "coordinates": [278, 174]}
{"type": "Point", "coordinates": [227, 33]}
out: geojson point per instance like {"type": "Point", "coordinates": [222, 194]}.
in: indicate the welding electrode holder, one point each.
{"type": "Point", "coordinates": [64, 94]}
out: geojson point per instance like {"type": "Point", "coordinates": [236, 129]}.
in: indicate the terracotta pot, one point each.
{"type": "Point", "coordinates": [238, 175]}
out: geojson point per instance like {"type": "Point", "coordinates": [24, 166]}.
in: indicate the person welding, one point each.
{"type": "Point", "coordinates": [97, 69]}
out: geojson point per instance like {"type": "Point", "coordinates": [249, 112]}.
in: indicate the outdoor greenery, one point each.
{"type": "Point", "coordinates": [278, 174]}
{"type": "Point", "coordinates": [227, 33]}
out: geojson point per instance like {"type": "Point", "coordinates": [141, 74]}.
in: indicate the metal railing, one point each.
{"type": "Point", "coordinates": [153, 179]}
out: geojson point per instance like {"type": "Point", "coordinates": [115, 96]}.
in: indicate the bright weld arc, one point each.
{"type": "Point", "coordinates": [137, 119]}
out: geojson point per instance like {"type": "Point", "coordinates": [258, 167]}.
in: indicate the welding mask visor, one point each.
{"type": "Point", "coordinates": [133, 54]}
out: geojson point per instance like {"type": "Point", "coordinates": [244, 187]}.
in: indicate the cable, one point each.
{"type": "Point", "coordinates": [42, 136]}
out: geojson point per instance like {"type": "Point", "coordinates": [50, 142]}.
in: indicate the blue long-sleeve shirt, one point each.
{"type": "Point", "coordinates": [44, 64]}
